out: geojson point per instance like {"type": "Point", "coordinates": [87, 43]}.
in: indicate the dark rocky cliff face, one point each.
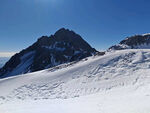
{"type": "Point", "coordinates": [133, 42]}
{"type": "Point", "coordinates": [62, 47]}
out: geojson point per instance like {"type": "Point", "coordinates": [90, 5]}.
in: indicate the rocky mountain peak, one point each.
{"type": "Point", "coordinates": [44, 40]}
{"type": "Point", "coordinates": [62, 31]}
{"type": "Point", "coordinates": [63, 47]}
{"type": "Point", "coordinates": [133, 42]}
{"type": "Point", "coordinates": [66, 35]}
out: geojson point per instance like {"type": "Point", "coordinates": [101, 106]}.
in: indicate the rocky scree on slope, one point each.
{"type": "Point", "coordinates": [62, 47]}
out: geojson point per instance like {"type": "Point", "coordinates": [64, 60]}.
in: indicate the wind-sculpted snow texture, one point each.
{"type": "Point", "coordinates": [100, 81]}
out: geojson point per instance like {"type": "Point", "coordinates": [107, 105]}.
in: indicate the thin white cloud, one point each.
{"type": "Point", "coordinates": [7, 54]}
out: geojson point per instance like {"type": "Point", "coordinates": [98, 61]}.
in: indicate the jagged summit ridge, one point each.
{"type": "Point", "coordinates": [134, 42]}
{"type": "Point", "coordinates": [64, 36]}
{"type": "Point", "coordinates": [62, 47]}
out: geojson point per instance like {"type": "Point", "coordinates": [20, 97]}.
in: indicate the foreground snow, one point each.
{"type": "Point", "coordinates": [121, 100]}
{"type": "Point", "coordinates": [118, 82]}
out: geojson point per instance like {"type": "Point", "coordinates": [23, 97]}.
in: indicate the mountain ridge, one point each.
{"type": "Point", "coordinates": [133, 42]}
{"type": "Point", "coordinates": [62, 47]}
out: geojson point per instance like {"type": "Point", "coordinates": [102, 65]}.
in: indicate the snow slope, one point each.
{"type": "Point", "coordinates": [118, 82]}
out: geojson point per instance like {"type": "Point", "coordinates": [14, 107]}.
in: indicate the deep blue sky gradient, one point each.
{"type": "Point", "coordinates": [101, 23]}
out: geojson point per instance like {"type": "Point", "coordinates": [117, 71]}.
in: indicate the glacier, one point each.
{"type": "Point", "coordinates": [117, 82]}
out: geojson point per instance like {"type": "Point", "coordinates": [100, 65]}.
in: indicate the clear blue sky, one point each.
{"type": "Point", "coordinates": [102, 23]}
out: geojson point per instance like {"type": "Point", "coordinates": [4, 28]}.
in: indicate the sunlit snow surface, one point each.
{"type": "Point", "coordinates": [118, 82]}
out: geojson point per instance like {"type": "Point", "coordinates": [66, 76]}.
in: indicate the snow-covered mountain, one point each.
{"type": "Point", "coordinates": [133, 42]}
{"type": "Point", "coordinates": [118, 82]}
{"type": "Point", "coordinates": [62, 47]}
